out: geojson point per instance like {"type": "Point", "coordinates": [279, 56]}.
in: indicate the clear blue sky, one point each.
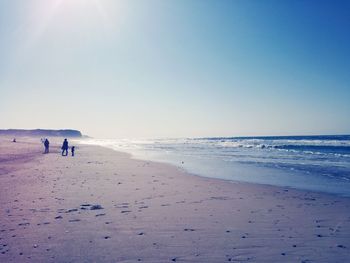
{"type": "Point", "coordinates": [176, 68]}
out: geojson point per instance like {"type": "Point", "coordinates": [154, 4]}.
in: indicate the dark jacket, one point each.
{"type": "Point", "coordinates": [65, 145]}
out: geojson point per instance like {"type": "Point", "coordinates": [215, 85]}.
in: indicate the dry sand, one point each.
{"type": "Point", "coordinates": [103, 206]}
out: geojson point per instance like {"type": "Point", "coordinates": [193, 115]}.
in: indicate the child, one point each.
{"type": "Point", "coordinates": [73, 149]}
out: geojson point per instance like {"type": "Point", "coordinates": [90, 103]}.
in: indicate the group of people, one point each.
{"type": "Point", "coordinates": [64, 147]}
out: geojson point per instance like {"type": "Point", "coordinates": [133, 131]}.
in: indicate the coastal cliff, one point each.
{"type": "Point", "coordinates": [41, 133]}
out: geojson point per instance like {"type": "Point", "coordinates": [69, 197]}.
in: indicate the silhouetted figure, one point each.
{"type": "Point", "coordinates": [14, 140]}
{"type": "Point", "coordinates": [73, 150]}
{"type": "Point", "coordinates": [47, 145]}
{"type": "Point", "coordinates": [65, 147]}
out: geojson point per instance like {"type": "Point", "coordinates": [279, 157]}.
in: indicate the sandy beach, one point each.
{"type": "Point", "coordinates": [104, 206]}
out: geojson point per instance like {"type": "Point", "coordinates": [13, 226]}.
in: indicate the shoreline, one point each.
{"type": "Point", "coordinates": [182, 169]}
{"type": "Point", "coordinates": [155, 212]}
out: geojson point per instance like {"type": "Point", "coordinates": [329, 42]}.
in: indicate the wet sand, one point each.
{"type": "Point", "coordinates": [103, 206]}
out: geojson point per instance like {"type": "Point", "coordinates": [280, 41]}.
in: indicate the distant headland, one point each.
{"type": "Point", "coordinates": [41, 133]}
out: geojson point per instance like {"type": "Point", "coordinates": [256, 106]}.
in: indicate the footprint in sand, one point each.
{"type": "Point", "coordinates": [85, 206]}
{"type": "Point", "coordinates": [24, 224]}
{"type": "Point", "coordinates": [100, 215]}
{"type": "Point", "coordinates": [72, 210]}
{"type": "Point", "coordinates": [122, 205]}
{"type": "Point", "coordinates": [96, 207]}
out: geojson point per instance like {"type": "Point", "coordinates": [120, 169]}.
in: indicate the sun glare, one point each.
{"type": "Point", "coordinates": [98, 9]}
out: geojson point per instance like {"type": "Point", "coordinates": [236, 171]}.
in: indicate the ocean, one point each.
{"type": "Point", "coordinates": [316, 163]}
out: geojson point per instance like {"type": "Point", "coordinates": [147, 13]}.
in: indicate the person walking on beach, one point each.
{"type": "Point", "coordinates": [65, 147]}
{"type": "Point", "coordinates": [47, 145]}
{"type": "Point", "coordinates": [73, 150]}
